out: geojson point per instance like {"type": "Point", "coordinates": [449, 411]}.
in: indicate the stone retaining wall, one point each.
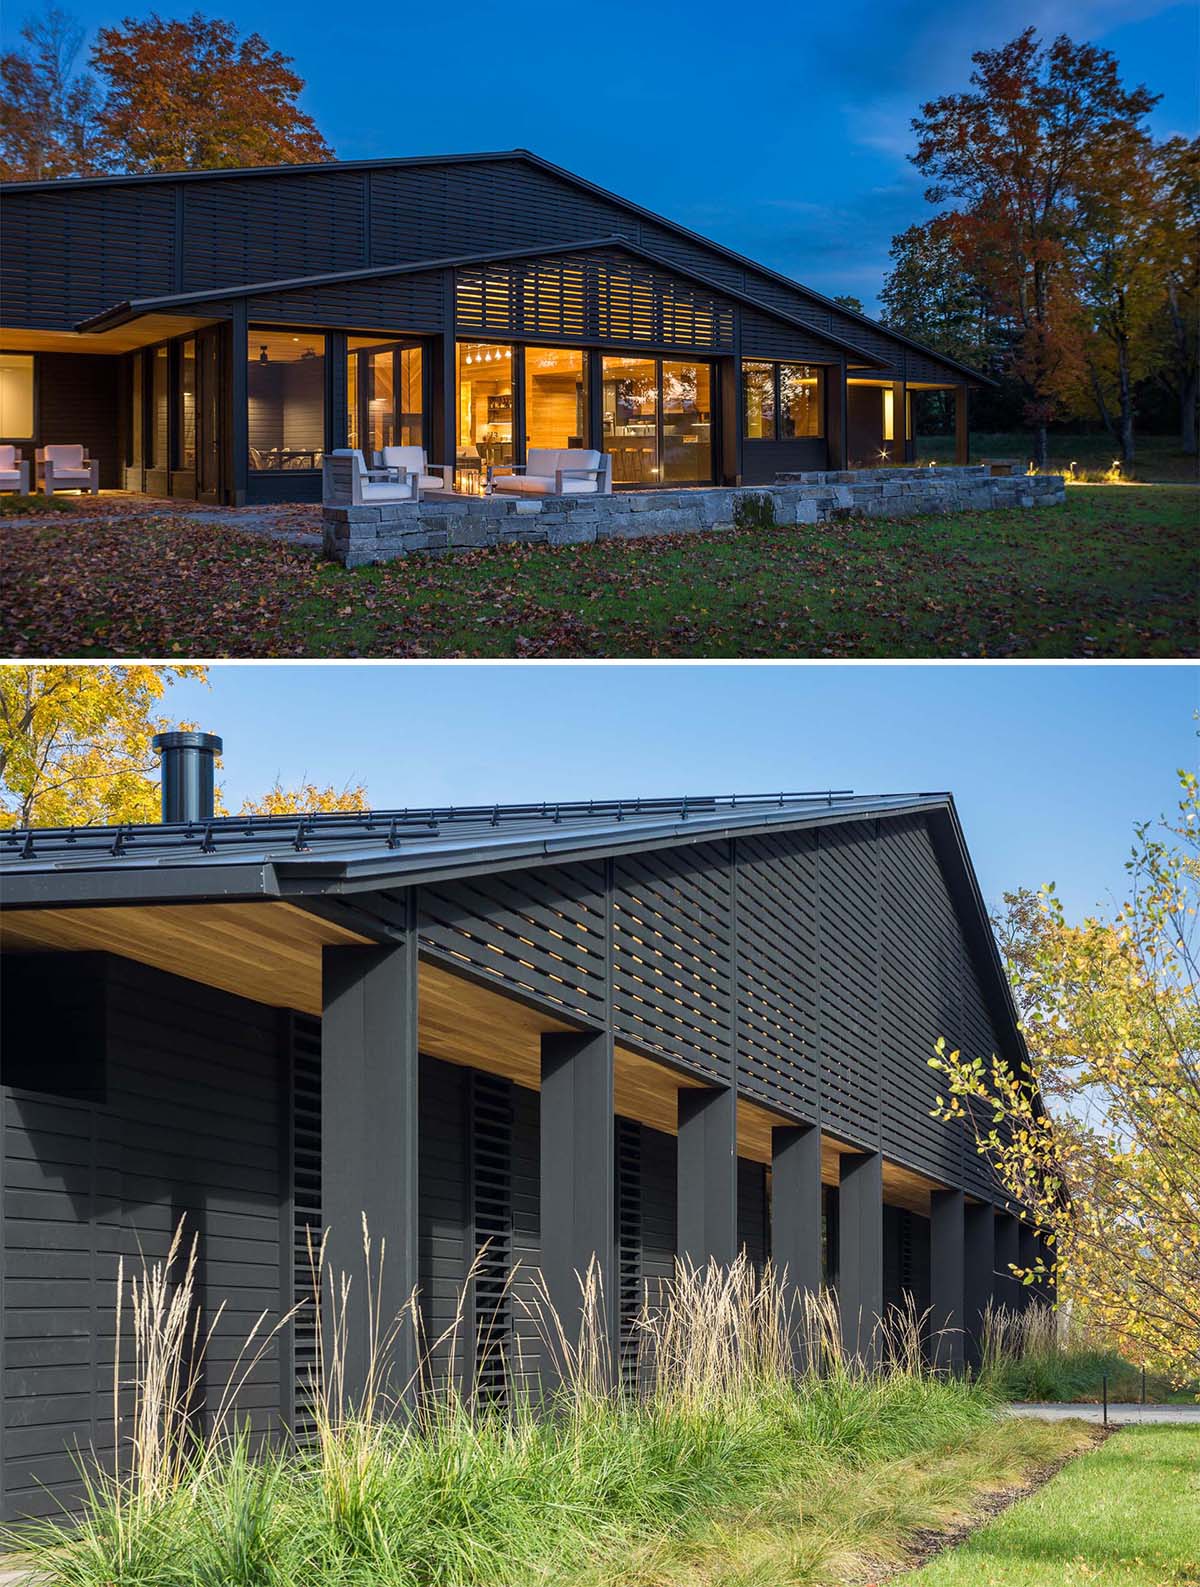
{"type": "Point", "coordinates": [356, 536]}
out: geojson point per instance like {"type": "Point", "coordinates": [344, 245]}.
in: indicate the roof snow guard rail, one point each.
{"type": "Point", "coordinates": [387, 827]}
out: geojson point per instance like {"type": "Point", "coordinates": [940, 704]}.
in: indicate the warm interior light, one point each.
{"type": "Point", "coordinates": [262, 353]}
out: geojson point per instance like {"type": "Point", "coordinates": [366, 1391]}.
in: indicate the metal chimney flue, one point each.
{"type": "Point", "coordinates": [188, 761]}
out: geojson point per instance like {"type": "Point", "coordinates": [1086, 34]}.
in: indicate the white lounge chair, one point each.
{"type": "Point", "coordinates": [571, 471]}
{"type": "Point", "coordinates": [410, 460]}
{"type": "Point", "coordinates": [14, 471]}
{"type": "Point", "coordinates": [63, 467]}
{"type": "Point", "coordinates": [346, 481]}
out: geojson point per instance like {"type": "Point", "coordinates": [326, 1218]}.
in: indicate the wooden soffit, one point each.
{"type": "Point", "coordinates": [141, 332]}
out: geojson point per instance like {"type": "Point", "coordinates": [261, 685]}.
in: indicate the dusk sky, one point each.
{"type": "Point", "coordinates": [1050, 766]}
{"type": "Point", "coordinates": [779, 130]}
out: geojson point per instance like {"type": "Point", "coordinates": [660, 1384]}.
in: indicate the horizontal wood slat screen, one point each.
{"type": "Point", "coordinates": [672, 955]}
{"type": "Point", "coordinates": [538, 931]}
{"type": "Point", "coordinates": [847, 869]}
{"type": "Point", "coordinates": [590, 298]}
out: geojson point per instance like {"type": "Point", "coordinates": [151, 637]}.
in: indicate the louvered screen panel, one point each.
{"type": "Point", "coordinates": [777, 970]}
{"type": "Point", "coordinates": [629, 1246]}
{"type": "Point", "coordinates": [849, 961]}
{"type": "Point", "coordinates": [305, 1051]}
{"type": "Point", "coordinates": [492, 1217]}
{"type": "Point", "coordinates": [671, 955]}
{"type": "Point", "coordinates": [921, 995]}
{"type": "Point", "coordinates": [538, 931]}
{"type": "Point", "coordinates": [604, 298]}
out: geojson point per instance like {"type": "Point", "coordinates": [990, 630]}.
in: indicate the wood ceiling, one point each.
{"type": "Point", "coordinates": [270, 952]}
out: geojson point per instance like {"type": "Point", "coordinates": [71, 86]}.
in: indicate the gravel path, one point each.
{"type": "Point", "coordinates": [1116, 1413]}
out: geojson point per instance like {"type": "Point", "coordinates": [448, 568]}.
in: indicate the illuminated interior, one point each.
{"type": "Point", "coordinates": [187, 403]}
{"type": "Point", "coordinates": [783, 402]}
{"type": "Point", "coordinates": [889, 414]}
{"type": "Point", "coordinates": [285, 387]}
{"type": "Point", "coordinates": [686, 422]}
{"type": "Point", "coordinates": [630, 388]}
{"type": "Point", "coordinates": [555, 397]}
{"type": "Point", "coordinates": [385, 394]}
{"type": "Point", "coordinates": [16, 396]}
{"type": "Point", "coordinates": [485, 405]}
{"type": "Point", "coordinates": [160, 416]}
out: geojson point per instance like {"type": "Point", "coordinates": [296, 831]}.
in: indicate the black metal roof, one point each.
{"type": "Point", "coordinates": [390, 847]}
{"type": "Point", "coordinates": [529, 158]}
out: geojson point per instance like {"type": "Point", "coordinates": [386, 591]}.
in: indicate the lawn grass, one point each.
{"type": "Point", "coordinates": [1112, 572]}
{"type": "Point", "coordinates": [1125, 1515]}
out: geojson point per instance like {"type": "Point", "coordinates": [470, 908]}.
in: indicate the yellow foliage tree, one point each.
{"type": "Point", "coordinates": [75, 749]}
{"type": "Point", "coordinates": [75, 743]}
{"type": "Point", "coordinates": [1109, 1167]}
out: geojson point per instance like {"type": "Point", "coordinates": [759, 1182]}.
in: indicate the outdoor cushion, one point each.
{"type": "Point", "coordinates": [578, 457]}
{"type": "Point", "coordinates": [542, 485]}
{"type": "Point", "coordinates": [9, 478]}
{"type": "Point", "coordinates": [8, 458]}
{"type": "Point", "coordinates": [413, 459]}
{"type": "Point", "coordinates": [386, 490]}
{"type": "Point", "coordinates": [65, 458]}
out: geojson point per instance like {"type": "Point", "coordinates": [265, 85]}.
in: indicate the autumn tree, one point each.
{"type": "Point", "coordinates": [75, 749]}
{"type": "Point", "coordinates": [161, 94]}
{"type": "Point", "coordinates": [847, 300]}
{"type": "Point", "coordinates": [1175, 246]}
{"type": "Point", "coordinates": [1109, 1168]}
{"type": "Point", "coordinates": [48, 105]}
{"type": "Point", "coordinates": [1012, 161]}
{"type": "Point", "coordinates": [193, 95]}
{"type": "Point", "coordinates": [75, 743]}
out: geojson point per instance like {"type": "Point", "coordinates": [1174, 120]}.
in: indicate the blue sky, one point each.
{"type": "Point", "coordinates": [1050, 766]}
{"type": "Point", "coordinates": [781, 130]}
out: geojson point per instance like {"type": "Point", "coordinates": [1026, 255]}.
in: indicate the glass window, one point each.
{"type": "Point", "coordinates": [410, 398]}
{"type": "Point", "coordinates": [801, 401]}
{"type": "Point", "coordinates": [352, 400]}
{"type": "Point", "coordinates": [630, 405]}
{"type": "Point", "coordinates": [555, 397]}
{"type": "Point", "coordinates": [285, 387]}
{"type": "Point", "coordinates": [687, 422]}
{"type": "Point", "coordinates": [187, 404]}
{"type": "Point", "coordinates": [758, 397]}
{"type": "Point", "coordinates": [889, 414]}
{"type": "Point", "coordinates": [16, 396]}
{"type": "Point", "coordinates": [137, 408]}
{"type": "Point", "coordinates": [159, 412]}
{"type": "Point", "coordinates": [485, 405]}
{"type": "Point", "coordinates": [381, 400]}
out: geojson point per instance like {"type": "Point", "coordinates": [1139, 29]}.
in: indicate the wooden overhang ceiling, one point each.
{"type": "Point", "coordinates": [270, 952]}
{"type": "Point", "coordinates": [124, 338]}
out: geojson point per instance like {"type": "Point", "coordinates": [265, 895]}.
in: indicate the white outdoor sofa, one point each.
{"type": "Point", "coordinates": [571, 471]}
{"type": "Point", "coordinates": [346, 481]}
{"type": "Point", "coordinates": [405, 462]}
{"type": "Point", "coordinates": [14, 471]}
{"type": "Point", "coordinates": [65, 467]}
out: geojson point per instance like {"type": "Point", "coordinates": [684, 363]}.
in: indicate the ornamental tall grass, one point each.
{"type": "Point", "coordinates": [428, 1483]}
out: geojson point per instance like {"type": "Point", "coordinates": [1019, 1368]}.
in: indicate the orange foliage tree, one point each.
{"type": "Point", "coordinates": [1016, 160]}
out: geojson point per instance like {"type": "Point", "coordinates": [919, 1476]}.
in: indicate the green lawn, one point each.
{"type": "Point", "coordinates": [1126, 1515]}
{"type": "Point", "coordinates": [1113, 572]}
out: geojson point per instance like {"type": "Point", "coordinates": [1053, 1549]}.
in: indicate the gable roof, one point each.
{"type": "Point", "coordinates": [324, 860]}
{"type": "Point", "coordinates": [538, 162]}
{"type": "Point", "coordinates": [133, 308]}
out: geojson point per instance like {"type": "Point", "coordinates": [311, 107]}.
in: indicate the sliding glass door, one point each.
{"type": "Point", "coordinates": [658, 420]}
{"type": "Point", "coordinates": [385, 394]}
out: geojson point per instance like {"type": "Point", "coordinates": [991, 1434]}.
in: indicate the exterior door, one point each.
{"type": "Point", "coordinates": [210, 440]}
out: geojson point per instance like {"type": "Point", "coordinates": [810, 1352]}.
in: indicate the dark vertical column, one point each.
{"type": "Point", "coordinates": [1008, 1254]}
{"type": "Point", "coordinates": [946, 1265]}
{"type": "Point", "coordinates": [595, 401]}
{"type": "Point", "coordinates": [860, 1250]}
{"type": "Point", "coordinates": [577, 1172]}
{"type": "Point", "coordinates": [707, 1174]}
{"type": "Point", "coordinates": [369, 1132]}
{"type": "Point", "coordinates": [910, 436]}
{"type": "Point", "coordinates": [339, 396]}
{"type": "Point", "coordinates": [1027, 1255]}
{"type": "Point", "coordinates": [796, 1216]}
{"type": "Point", "coordinates": [979, 1245]}
{"type": "Point", "coordinates": [727, 467]}
{"type": "Point", "coordinates": [836, 421]}
{"type": "Point", "coordinates": [962, 423]}
{"type": "Point", "coordinates": [238, 412]}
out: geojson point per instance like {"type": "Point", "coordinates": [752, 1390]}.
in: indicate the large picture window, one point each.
{"type": "Point", "coordinates": [658, 420]}
{"type": "Point", "coordinates": [385, 401]}
{"type": "Point", "coordinates": [555, 397]}
{"type": "Point", "coordinates": [285, 388]}
{"type": "Point", "coordinates": [16, 396]}
{"type": "Point", "coordinates": [485, 404]}
{"type": "Point", "coordinates": [160, 412]}
{"type": "Point", "coordinates": [782, 402]}
{"type": "Point", "coordinates": [187, 403]}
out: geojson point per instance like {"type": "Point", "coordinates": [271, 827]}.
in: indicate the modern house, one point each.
{"type": "Point", "coordinates": [621, 1030]}
{"type": "Point", "coordinates": [212, 334]}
